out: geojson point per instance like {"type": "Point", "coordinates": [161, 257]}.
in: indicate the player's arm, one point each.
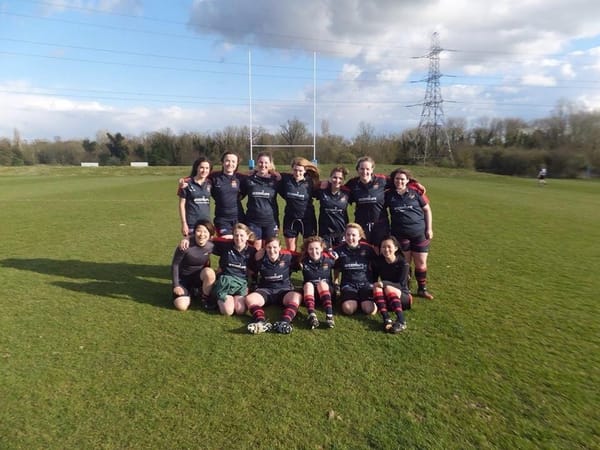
{"type": "Point", "coordinates": [185, 230]}
{"type": "Point", "coordinates": [428, 221]}
{"type": "Point", "coordinates": [177, 258]}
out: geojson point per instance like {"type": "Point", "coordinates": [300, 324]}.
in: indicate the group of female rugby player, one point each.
{"type": "Point", "coordinates": [363, 265]}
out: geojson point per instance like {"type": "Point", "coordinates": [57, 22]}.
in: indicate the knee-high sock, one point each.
{"type": "Point", "coordinates": [379, 299]}
{"type": "Point", "coordinates": [421, 276]}
{"type": "Point", "coordinates": [309, 300]}
{"type": "Point", "coordinates": [396, 306]}
{"type": "Point", "coordinates": [258, 313]}
{"type": "Point", "coordinates": [326, 300]}
{"type": "Point", "coordinates": [289, 312]}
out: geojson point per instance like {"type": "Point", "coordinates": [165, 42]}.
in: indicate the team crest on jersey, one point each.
{"type": "Point", "coordinates": [281, 264]}
{"type": "Point", "coordinates": [343, 200]}
{"type": "Point", "coordinates": [376, 185]}
{"type": "Point", "coordinates": [234, 183]}
{"type": "Point", "coordinates": [325, 266]}
{"type": "Point", "coordinates": [411, 196]}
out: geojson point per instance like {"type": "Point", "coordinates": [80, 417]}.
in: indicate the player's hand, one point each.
{"type": "Point", "coordinates": [184, 244]}
{"type": "Point", "coordinates": [178, 291]}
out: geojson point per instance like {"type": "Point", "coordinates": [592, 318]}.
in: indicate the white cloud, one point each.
{"type": "Point", "coordinates": [396, 75]}
{"type": "Point", "coordinates": [567, 71]}
{"type": "Point", "coordinates": [538, 80]}
{"type": "Point", "coordinates": [590, 102]}
{"type": "Point", "coordinates": [350, 72]}
{"type": "Point", "coordinates": [500, 52]}
{"type": "Point", "coordinates": [41, 116]}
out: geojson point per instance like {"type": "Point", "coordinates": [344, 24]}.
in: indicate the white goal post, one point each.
{"type": "Point", "coordinates": [253, 146]}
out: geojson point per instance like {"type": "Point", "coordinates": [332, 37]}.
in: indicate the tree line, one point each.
{"type": "Point", "coordinates": [567, 143]}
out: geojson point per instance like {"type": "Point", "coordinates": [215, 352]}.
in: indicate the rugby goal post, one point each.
{"type": "Point", "coordinates": [314, 144]}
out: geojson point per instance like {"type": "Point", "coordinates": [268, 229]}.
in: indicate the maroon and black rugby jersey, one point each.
{"type": "Point", "coordinates": [232, 261]}
{"type": "Point", "coordinates": [406, 212]}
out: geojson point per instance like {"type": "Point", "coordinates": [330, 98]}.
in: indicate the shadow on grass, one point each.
{"type": "Point", "coordinates": [372, 323]}
{"type": "Point", "coordinates": [113, 280]}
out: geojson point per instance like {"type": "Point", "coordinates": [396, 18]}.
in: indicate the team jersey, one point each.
{"type": "Point", "coordinates": [355, 263]}
{"type": "Point", "coordinates": [197, 201]}
{"type": "Point", "coordinates": [333, 210]}
{"type": "Point", "coordinates": [275, 274]}
{"type": "Point", "coordinates": [395, 272]}
{"type": "Point", "coordinates": [368, 199]}
{"type": "Point", "coordinates": [190, 261]}
{"type": "Point", "coordinates": [262, 208]}
{"type": "Point", "coordinates": [225, 191]}
{"type": "Point", "coordinates": [319, 270]}
{"type": "Point", "coordinates": [232, 261]}
{"type": "Point", "coordinates": [297, 195]}
{"type": "Point", "coordinates": [406, 212]}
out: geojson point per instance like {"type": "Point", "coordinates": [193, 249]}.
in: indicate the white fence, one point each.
{"type": "Point", "coordinates": [89, 164]}
{"type": "Point", "coordinates": [139, 164]}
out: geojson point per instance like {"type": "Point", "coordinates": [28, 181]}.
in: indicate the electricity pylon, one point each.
{"type": "Point", "coordinates": [433, 139]}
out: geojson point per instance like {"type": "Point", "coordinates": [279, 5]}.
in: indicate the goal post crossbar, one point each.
{"type": "Point", "coordinates": [314, 144]}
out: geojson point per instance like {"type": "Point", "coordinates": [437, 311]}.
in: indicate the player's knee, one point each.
{"type": "Point", "coordinates": [239, 305]}
{"type": "Point", "coordinates": [349, 307]}
{"type": "Point", "coordinates": [226, 306]}
{"type": "Point", "coordinates": [208, 276]}
{"type": "Point", "coordinates": [368, 307]}
{"type": "Point", "coordinates": [308, 289]}
{"type": "Point", "coordinates": [322, 286]}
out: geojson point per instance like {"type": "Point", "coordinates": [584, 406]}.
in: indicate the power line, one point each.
{"type": "Point", "coordinates": [237, 31]}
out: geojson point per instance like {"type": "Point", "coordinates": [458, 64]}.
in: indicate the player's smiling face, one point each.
{"type": "Point", "coordinates": [230, 163]}
{"type": "Point", "coordinates": [240, 238]}
{"type": "Point", "coordinates": [400, 181]}
{"type": "Point", "coordinates": [352, 237]}
{"type": "Point", "coordinates": [273, 249]}
{"type": "Point", "coordinates": [203, 170]}
{"type": "Point", "coordinates": [298, 172]}
{"type": "Point", "coordinates": [336, 179]}
{"type": "Point", "coordinates": [388, 249]}
{"type": "Point", "coordinates": [365, 171]}
{"type": "Point", "coordinates": [263, 165]}
{"type": "Point", "coordinates": [314, 250]}
{"type": "Point", "coordinates": [202, 235]}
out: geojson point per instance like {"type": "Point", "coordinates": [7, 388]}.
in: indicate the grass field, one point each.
{"type": "Point", "coordinates": [92, 355]}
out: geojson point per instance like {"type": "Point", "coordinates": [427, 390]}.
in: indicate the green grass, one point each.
{"type": "Point", "coordinates": [92, 355]}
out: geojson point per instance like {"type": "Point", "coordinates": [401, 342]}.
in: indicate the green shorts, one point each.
{"type": "Point", "coordinates": [229, 285]}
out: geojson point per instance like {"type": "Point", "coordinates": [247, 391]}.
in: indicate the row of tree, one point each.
{"type": "Point", "coordinates": [567, 143]}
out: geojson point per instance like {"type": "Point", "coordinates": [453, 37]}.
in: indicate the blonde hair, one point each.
{"type": "Point", "coordinates": [267, 155]}
{"type": "Point", "coordinates": [245, 228]}
{"type": "Point", "coordinates": [361, 232]}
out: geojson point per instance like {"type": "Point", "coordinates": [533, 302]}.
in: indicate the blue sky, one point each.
{"type": "Point", "coordinates": [78, 68]}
